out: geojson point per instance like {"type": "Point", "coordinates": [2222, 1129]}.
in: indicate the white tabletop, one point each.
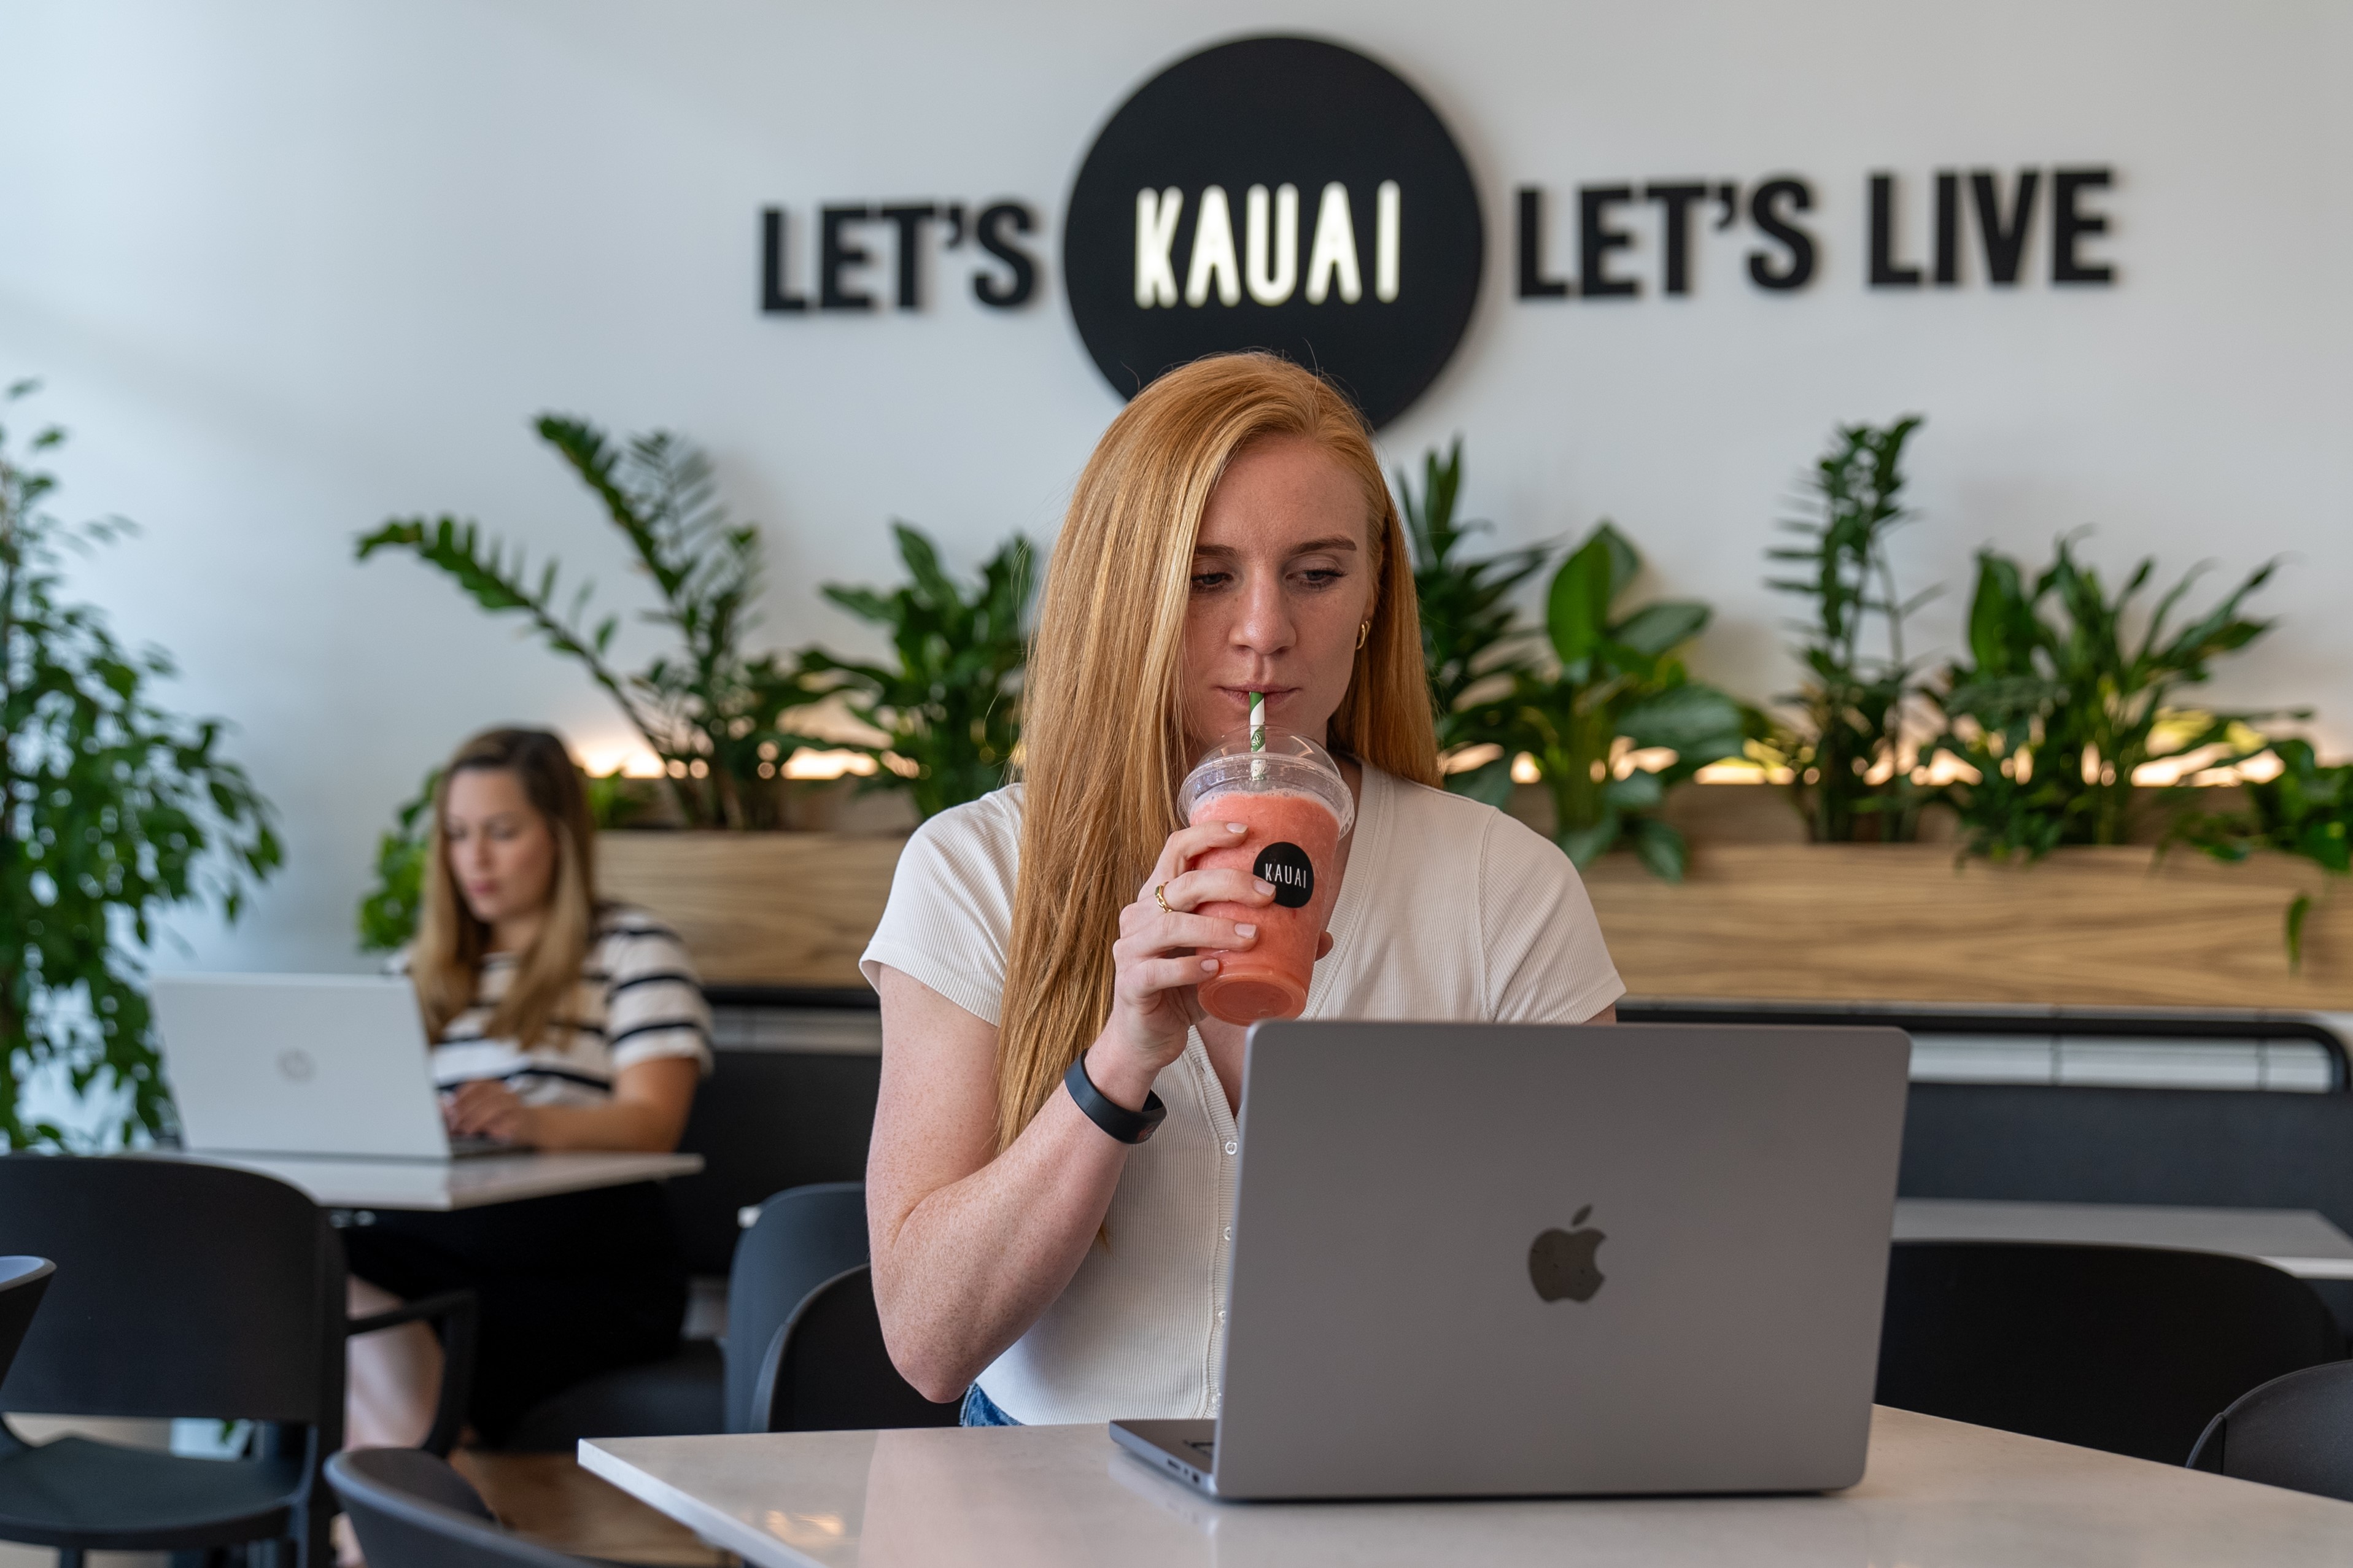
{"type": "Point", "coordinates": [1937, 1494]}
{"type": "Point", "coordinates": [454, 1184]}
{"type": "Point", "coordinates": [2297, 1240]}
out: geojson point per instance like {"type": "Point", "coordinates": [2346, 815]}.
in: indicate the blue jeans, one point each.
{"type": "Point", "coordinates": [979, 1410]}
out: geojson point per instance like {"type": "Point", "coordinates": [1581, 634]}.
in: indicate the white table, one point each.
{"type": "Point", "coordinates": [1937, 1494]}
{"type": "Point", "coordinates": [455, 1184]}
{"type": "Point", "coordinates": [2297, 1240]}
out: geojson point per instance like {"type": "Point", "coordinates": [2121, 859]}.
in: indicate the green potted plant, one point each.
{"type": "Point", "coordinates": [1473, 644]}
{"type": "Point", "coordinates": [950, 708]}
{"type": "Point", "coordinates": [113, 811]}
{"type": "Point", "coordinates": [1848, 777]}
{"type": "Point", "coordinates": [713, 712]}
{"type": "Point", "coordinates": [2059, 704]}
{"type": "Point", "coordinates": [725, 723]}
{"type": "Point", "coordinates": [1619, 690]}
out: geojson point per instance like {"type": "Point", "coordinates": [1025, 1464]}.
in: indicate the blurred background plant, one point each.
{"type": "Point", "coordinates": [114, 811]}
{"type": "Point", "coordinates": [1472, 641]}
{"type": "Point", "coordinates": [1619, 722]}
{"type": "Point", "coordinates": [712, 712]}
{"type": "Point", "coordinates": [388, 910]}
{"type": "Point", "coordinates": [1850, 775]}
{"type": "Point", "coordinates": [2059, 705]}
{"type": "Point", "coordinates": [950, 707]}
{"type": "Point", "coordinates": [2306, 810]}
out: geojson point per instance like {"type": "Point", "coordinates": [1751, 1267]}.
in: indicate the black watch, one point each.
{"type": "Point", "coordinates": [1128, 1126]}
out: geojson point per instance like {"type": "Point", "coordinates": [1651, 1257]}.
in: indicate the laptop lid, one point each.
{"type": "Point", "coordinates": [300, 1064]}
{"type": "Point", "coordinates": [1533, 1259]}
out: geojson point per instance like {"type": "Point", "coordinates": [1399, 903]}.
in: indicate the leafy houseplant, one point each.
{"type": "Point", "coordinates": [1619, 686]}
{"type": "Point", "coordinates": [1846, 764]}
{"type": "Point", "coordinates": [2058, 703]}
{"type": "Point", "coordinates": [388, 910]}
{"type": "Point", "coordinates": [2305, 809]}
{"type": "Point", "coordinates": [712, 712]}
{"type": "Point", "coordinates": [951, 707]}
{"type": "Point", "coordinates": [113, 812]}
{"type": "Point", "coordinates": [1472, 638]}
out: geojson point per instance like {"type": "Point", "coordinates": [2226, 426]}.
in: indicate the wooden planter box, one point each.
{"type": "Point", "coordinates": [759, 909]}
{"type": "Point", "coordinates": [1815, 922]}
{"type": "Point", "coordinates": [1902, 922]}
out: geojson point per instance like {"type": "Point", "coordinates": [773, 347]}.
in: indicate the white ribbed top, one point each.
{"type": "Point", "coordinates": [1449, 910]}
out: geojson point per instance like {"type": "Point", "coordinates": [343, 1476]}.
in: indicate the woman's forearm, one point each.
{"type": "Point", "coordinates": [621, 1126]}
{"type": "Point", "coordinates": [646, 1115]}
{"type": "Point", "coordinates": [971, 1266]}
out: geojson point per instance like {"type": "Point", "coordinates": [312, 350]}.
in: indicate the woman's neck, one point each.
{"type": "Point", "coordinates": [517, 932]}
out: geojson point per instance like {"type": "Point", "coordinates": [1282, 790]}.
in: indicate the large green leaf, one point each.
{"type": "Point", "coordinates": [1655, 629]}
{"type": "Point", "coordinates": [1577, 610]}
{"type": "Point", "coordinates": [1584, 845]}
{"type": "Point", "coordinates": [1489, 783]}
{"type": "Point", "coordinates": [1685, 718]}
{"type": "Point", "coordinates": [1661, 849]}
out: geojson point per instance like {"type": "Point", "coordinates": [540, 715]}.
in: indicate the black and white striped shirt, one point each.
{"type": "Point", "coordinates": [638, 1000]}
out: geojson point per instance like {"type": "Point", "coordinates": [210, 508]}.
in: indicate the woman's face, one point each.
{"type": "Point", "coordinates": [501, 854]}
{"type": "Point", "coordinates": [1282, 580]}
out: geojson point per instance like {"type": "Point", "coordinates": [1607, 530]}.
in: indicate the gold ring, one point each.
{"type": "Point", "coordinates": [1160, 896]}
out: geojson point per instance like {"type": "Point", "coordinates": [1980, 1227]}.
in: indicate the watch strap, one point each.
{"type": "Point", "coordinates": [1128, 1126]}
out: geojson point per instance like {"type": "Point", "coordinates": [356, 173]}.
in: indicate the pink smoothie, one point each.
{"type": "Point", "coordinates": [1293, 841]}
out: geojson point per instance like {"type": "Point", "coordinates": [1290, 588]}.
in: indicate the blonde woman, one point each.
{"type": "Point", "coordinates": [558, 1022]}
{"type": "Point", "coordinates": [1233, 533]}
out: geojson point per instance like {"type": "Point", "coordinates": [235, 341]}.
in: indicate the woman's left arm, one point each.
{"type": "Point", "coordinates": [646, 1114]}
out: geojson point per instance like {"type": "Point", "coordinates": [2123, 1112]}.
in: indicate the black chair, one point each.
{"type": "Point", "coordinates": [2294, 1431]}
{"type": "Point", "coordinates": [23, 1282]}
{"type": "Point", "coordinates": [410, 1510]}
{"type": "Point", "coordinates": [183, 1289]}
{"type": "Point", "coordinates": [803, 1237]}
{"type": "Point", "coordinates": [2129, 1349]}
{"type": "Point", "coordinates": [826, 1369]}
{"type": "Point", "coordinates": [2202, 1148]}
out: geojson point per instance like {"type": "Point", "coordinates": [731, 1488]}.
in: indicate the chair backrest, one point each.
{"type": "Point", "coordinates": [777, 1119]}
{"type": "Point", "coordinates": [181, 1289]}
{"type": "Point", "coordinates": [828, 1370]}
{"type": "Point", "coordinates": [2129, 1349]}
{"type": "Point", "coordinates": [803, 1237]}
{"type": "Point", "coordinates": [2294, 1431]}
{"type": "Point", "coordinates": [23, 1282]}
{"type": "Point", "coordinates": [412, 1511]}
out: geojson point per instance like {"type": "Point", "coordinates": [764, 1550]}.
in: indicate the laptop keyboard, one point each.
{"type": "Point", "coordinates": [473, 1148]}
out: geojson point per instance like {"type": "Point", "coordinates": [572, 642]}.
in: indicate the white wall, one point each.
{"type": "Point", "coordinates": [291, 268]}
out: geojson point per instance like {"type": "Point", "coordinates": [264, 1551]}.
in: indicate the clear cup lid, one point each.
{"type": "Point", "coordinates": [1290, 765]}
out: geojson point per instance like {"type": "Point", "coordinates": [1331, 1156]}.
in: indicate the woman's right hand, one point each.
{"type": "Point", "coordinates": [1157, 959]}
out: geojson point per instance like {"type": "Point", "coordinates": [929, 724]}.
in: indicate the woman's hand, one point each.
{"type": "Point", "coordinates": [487, 1108]}
{"type": "Point", "coordinates": [1158, 963]}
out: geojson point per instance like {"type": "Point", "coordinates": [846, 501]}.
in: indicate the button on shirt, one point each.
{"type": "Point", "coordinates": [1449, 910]}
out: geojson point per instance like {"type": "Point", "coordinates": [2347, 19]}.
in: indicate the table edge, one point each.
{"type": "Point", "coordinates": [708, 1523]}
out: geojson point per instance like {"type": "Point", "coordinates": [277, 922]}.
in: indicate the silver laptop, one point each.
{"type": "Point", "coordinates": [330, 1065]}
{"type": "Point", "coordinates": [1493, 1259]}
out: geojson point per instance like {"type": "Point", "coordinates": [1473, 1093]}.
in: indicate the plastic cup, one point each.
{"type": "Point", "coordinates": [1296, 804]}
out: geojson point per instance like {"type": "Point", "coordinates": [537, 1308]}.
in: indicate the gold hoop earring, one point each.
{"type": "Point", "coordinates": [1364, 630]}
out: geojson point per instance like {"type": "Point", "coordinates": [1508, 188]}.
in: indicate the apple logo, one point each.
{"type": "Point", "coordinates": [1561, 1263]}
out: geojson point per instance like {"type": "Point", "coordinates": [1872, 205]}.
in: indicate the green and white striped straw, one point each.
{"type": "Point", "coordinates": [1257, 732]}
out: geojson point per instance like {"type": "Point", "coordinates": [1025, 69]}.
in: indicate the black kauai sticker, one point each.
{"type": "Point", "coordinates": [1293, 874]}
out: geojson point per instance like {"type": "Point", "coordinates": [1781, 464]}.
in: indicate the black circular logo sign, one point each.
{"type": "Point", "coordinates": [1283, 194]}
{"type": "Point", "coordinates": [1292, 873]}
